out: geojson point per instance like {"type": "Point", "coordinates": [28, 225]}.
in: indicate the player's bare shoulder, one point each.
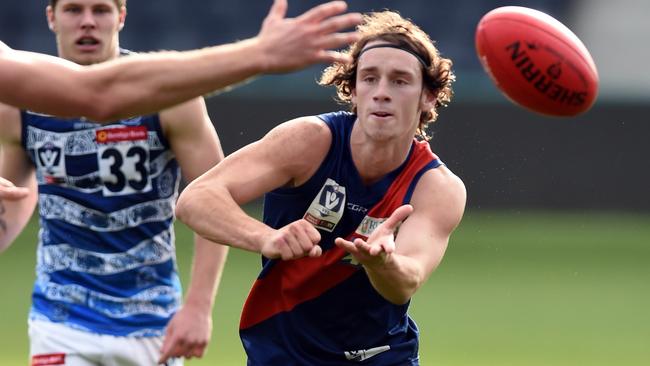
{"type": "Point", "coordinates": [301, 144]}
{"type": "Point", "coordinates": [443, 181]}
{"type": "Point", "coordinates": [306, 136]}
{"type": "Point", "coordinates": [442, 194]}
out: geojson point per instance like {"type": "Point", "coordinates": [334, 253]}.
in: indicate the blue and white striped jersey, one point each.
{"type": "Point", "coordinates": [106, 258]}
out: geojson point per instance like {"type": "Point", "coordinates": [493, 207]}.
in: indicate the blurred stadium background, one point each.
{"type": "Point", "coordinates": [550, 265]}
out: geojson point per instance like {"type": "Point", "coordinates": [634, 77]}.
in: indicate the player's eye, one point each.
{"type": "Point", "coordinates": [102, 10]}
{"type": "Point", "coordinates": [72, 9]}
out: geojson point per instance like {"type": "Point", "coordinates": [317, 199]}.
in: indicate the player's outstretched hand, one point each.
{"type": "Point", "coordinates": [10, 192]}
{"type": "Point", "coordinates": [296, 240]}
{"type": "Point", "coordinates": [379, 247]}
{"type": "Point", "coordinates": [293, 43]}
{"type": "Point", "coordinates": [187, 335]}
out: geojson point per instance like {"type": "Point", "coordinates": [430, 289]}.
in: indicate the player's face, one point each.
{"type": "Point", "coordinates": [86, 30]}
{"type": "Point", "coordinates": [388, 94]}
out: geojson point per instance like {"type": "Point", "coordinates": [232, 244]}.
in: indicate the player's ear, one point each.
{"type": "Point", "coordinates": [353, 96]}
{"type": "Point", "coordinates": [49, 13]}
{"type": "Point", "coordinates": [427, 100]}
{"type": "Point", "coordinates": [122, 17]}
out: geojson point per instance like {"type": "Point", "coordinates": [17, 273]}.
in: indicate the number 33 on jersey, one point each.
{"type": "Point", "coordinates": [123, 159]}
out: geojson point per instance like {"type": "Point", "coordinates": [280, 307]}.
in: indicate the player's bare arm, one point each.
{"type": "Point", "coordinates": [398, 268]}
{"type": "Point", "coordinates": [16, 204]}
{"type": "Point", "coordinates": [146, 83]}
{"type": "Point", "coordinates": [286, 156]}
{"type": "Point", "coordinates": [189, 130]}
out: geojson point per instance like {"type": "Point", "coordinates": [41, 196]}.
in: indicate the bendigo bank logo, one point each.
{"type": "Point", "coordinates": [119, 134]}
{"type": "Point", "coordinates": [545, 81]}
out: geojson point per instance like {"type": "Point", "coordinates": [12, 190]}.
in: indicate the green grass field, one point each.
{"type": "Point", "coordinates": [515, 288]}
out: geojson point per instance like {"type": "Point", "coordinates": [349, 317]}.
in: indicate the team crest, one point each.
{"type": "Point", "coordinates": [326, 209]}
{"type": "Point", "coordinates": [50, 159]}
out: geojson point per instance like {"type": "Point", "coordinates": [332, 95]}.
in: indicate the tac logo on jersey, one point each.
{"type": "Point", "coordinates": [368, 225]}
{"type": "Point", "coordinates": [119, 134]}
{"type": "Point", "coordinates": [327, 207]}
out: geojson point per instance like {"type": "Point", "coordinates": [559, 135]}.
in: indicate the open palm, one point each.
{"type": "Point", "coordinates": [381, 242]}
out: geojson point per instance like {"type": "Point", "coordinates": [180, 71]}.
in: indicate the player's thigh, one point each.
{"type": "Point", "coordinates": [134, 351]}
{"type": "Point", "coordinates": [56, 344]}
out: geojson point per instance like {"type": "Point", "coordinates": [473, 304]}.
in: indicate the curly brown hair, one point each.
{"type": "Point", "coordinates": [391, 27]}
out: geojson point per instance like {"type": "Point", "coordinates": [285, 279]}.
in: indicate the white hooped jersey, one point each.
{"type": "Point", "coordinates": [106, 258]}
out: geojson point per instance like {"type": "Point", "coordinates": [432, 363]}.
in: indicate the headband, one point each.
{"type": "Point", "coordinates": [399, 47]}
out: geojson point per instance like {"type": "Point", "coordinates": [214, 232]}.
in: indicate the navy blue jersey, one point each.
{"type": "Point", "coordinates": [324, 311]}
{"type": "Point", "coordinates": [106, 259]}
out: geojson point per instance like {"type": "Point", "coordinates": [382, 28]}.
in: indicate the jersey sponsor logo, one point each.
{"type": "Point", "coordinates": [48, 359]}
{"type": "Point", "coordinates": [108, 135]}
{"type": "Point", "coordinates": [368, 225]}
{"type": "Point", "coordinates": [327, 208]}
{"type": "Point", "coordinates": [364, 354]}
{"type": "Point", "coordinates": [356, 208]}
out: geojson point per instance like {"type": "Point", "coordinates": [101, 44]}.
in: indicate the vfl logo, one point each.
{"type": "Point", "coordinates": [327, 207]}
{"type": "Point", "coordinates": [49, 156]}
{"type": "Point", "coordinates": [365, 354]}
{"type": "Point", "coordinates": [50, 159]}
{"type": "Point", "coordinates": [332, 197]}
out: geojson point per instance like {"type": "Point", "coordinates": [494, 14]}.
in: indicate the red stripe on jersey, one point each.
{"type": "Point", "coordinates": [48, 359]}
{"type": "Point", "coordinates": [293, 282]}
{"type": "Point", "coordinates": [290, 283]}
{"type": "Point", "coordinates": [394, 197]}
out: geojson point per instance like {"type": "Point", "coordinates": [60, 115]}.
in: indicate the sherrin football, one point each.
{"type": "Point", "coordinates": [536, 61]}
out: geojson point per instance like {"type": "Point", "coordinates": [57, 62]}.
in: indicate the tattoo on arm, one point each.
{"type": "Point", "coordinates": [3, 224]}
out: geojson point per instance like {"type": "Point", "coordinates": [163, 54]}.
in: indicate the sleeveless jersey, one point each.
{"type": "Point", "coordinates": [106, 196]}
{"type": "Point", "coordinates": [324, 311]}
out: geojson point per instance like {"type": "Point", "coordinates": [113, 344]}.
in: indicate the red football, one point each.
{"type": "Point", "coordinates": [536, 61]}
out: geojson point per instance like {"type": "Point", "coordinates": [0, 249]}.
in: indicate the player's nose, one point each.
{"type": "Point", "coordinates": [88, 19]}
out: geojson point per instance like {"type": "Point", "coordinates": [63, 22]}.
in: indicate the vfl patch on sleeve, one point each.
{"type": "Point", "coordinates": [326, 209]}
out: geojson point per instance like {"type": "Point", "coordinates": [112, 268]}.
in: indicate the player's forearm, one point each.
{"type": "Point", "coordinates": [140, 84]}
{"type": "Point", "coordinates": [15, 208]}
{"type": "Point", "coordinates": [129, 86]}
{"type": "Point", "coordinates": [207, 267]}
{"type": "Point", "coordinates": [14, 215]}
{"type": "Point", "coordinates": [211, 212]}
{"type": "Point", "coordinates": [398, 279]}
